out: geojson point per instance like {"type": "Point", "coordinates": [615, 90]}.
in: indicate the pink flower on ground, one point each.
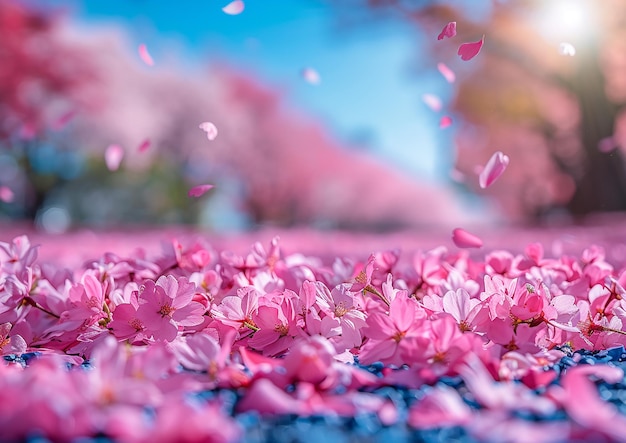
{"type": "Point", "coordinates": [166, 305]}
{"type": "Point", "coordinates": [277, 327]}
{"type": "Point", "coordinates": [388, 334]}
{"type": "Point", "coordinates": [238, 311]}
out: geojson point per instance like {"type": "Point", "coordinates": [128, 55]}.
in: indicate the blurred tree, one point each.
{"type": "Point", "coordinates": [287, 169]}
{"type": "Point", "coordinates": [44, 81]}
{"type": "Point", "coordinates": [554, 115]}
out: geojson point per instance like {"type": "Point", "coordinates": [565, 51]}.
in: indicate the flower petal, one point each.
{"type": "Point", "coordinates": [432, 101]}
{"type": "Point", "coordinates": [210, 129]}
{"type": "Point", "coordinates": [144, 145]}
{"type": "Point", "coordinates": [445, 121]}
{"type": "Point", "coordinates": [447, 73]}
{"type": "Point", "coordinates": [199, 190]}
{"type": "Point", "coordinates": [311, 76]}
{"type": "Point", "coordinates": [493, 169]}
{"type": "Point", "coordinates": [567, 49]}
{"type": "Point", "coordinates": [234, 8]}
{"type": "Point", "coordinates": [468, 51]}
{"type": "Point", "coordinates": [448, 31]}
{"type": "Point", "coordinates": [113, 157]}
{"type": "Point", "coordinates": [145, 55]}
{"type": "Point", "coordinates": [63, 120]}
{"type": "Point", "coordinates": [463, 239]}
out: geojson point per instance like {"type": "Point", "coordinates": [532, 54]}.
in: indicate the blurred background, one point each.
{"type": "Point", "coordinates": [328, 113]}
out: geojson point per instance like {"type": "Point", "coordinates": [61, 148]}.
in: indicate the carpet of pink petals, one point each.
{"type": "Point", "coordinates": [124, 346]}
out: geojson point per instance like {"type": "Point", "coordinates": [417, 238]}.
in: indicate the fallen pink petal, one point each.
{"type": "Point", "coordinates": [198, 191]}
{"type": "Point", "coordinates": [210, 129]}
{"type": "Point", "coordinates": [235, 7]}
{"type": "Point", "coordinates": [448, 31]}
{"type": "Point", "coordinates": [113, 156]}
{"type": "Point", "coordinates": [463, 239]}
{"type": "Point", "coordinates": [447, 73]}
{"type": "Point", "coordinates": [494, 168]}
{"type": "Point", "coordinates": [145, 55]}
{"type": "Point", "coordinates": [468, 51]}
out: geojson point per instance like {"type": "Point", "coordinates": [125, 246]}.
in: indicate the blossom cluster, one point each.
{"type": "Point", "coordinates": [140, 349]}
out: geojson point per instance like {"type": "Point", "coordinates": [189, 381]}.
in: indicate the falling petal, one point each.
{"type": "Point", "coordinates": [463, 239]}
{"type": "Point", "coordinates": [468, 51]}
{"type": "Point", "coordinates": [210, 129]}
{"type": "Point", "coordinates": [6, 194]}
{"type": "Point", "coordinates": [145, 55]}
{"type": "Point", "coordinates": [144, 145]}
{"type": "Point", "coordinates": [493, 169]}
{"type": "Point", "coordinates": [113, 157]}
{"type": "Point", "coordinates": [447, 73]}
{"type": "Point", "coordinates": [197, 191]}
{"type": "Point", "coordinates": [234, 8]}
{"type": "Point", "coordinates": [432, 101]}
{"type": "Point", "coordinates": [63, 120]}
{"type": "Point", "coordinates": [445, 122]}
{"type": "Point", "coordinates": [311, 76]}
{"type": "Point", "coordinates": [448, 31]}
{"type": "Point", "coordinates": [567, 49]}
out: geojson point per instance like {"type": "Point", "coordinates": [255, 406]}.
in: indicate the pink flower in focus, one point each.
{"type": "Point", "coordinates": [166, 305]}
{"type": "Point", "coordinates": [388, 334]}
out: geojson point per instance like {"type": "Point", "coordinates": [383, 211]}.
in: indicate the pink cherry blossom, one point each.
{"type": "Point", "coordinates": [166, 305]}
{"type": "Point", "coordinates": [468, 51]}
{"type": "Point", "coordinates": [493, 169]}
{"type": "Point", "coordinates": [448, 31]}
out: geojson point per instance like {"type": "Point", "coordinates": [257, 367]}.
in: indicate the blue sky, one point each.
{"type": "Point", "coordinates": [367, 92]}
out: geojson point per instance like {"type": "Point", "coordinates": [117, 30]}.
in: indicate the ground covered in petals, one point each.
{"type": "Point", "coordinates": [200, 341]}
